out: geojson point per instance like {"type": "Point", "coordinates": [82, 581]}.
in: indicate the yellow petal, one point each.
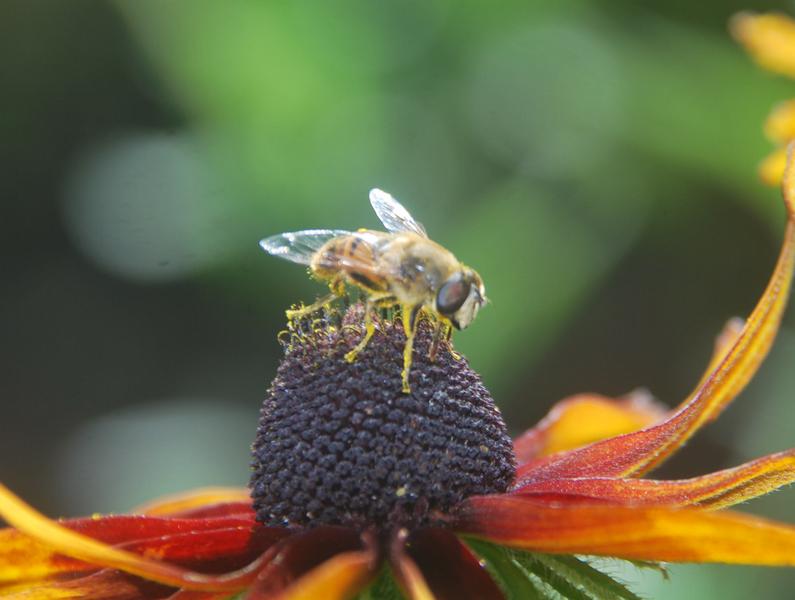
{"type": "Point", "coordinates": [780, 123]}
{"type": "Point", "coordinates": [771, 169]}
{"type": "Point", "coordinates": [768, 38]}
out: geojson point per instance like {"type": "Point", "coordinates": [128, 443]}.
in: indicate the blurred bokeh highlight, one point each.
{"type": "Point", "coordinates": [595, 161]}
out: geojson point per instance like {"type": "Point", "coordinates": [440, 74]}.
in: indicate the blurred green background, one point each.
{"type": "Point", "coordinates": [595, 161]}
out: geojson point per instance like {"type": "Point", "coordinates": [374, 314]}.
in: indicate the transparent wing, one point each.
{"type": "Point", "coordinates": [299, 246]}
{"type": "Point", "coordinates": [393, 214]}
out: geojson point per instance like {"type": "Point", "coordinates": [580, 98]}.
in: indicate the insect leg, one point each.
{"type": "Point", "coordinates": [297, 313]}
{"type": "Point", "coordinates": [410, 314]}
{"type": "Point", "coordinates": [337, 288]}
{"type": "Point", "coordinates": [448, 335]}
{"type": "Point", "coordinates": [369, 326]}
{"type": "Point", "coordinates": [439, 332]}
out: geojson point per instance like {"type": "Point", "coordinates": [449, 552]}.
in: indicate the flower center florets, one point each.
{"type": "Point", "coordinates": [338, 443]}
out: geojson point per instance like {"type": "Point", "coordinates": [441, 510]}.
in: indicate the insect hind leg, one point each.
{"type": "Point", "coordinates": [369, 326]}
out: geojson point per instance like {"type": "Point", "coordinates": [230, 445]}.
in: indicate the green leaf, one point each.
{"type": "Point", "coordinates": [592, 582]}
{"type": "Point", "coordinates": [383, 588]}
{"type": "Point", "coordinates": [513, 579]}
{"type": "Point", "coordinates": [548, 576]}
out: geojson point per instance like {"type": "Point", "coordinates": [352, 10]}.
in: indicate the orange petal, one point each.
{"type": "Point", "coordinates": [103, 585]}
{"type": "Point", "coordinates": [24, 559]}
{"type": "Point", "coordinates": [450, 568]}
{"type": "Point", "coordinates": [716, 490]}
{"type": "Point", "coordinates": [768, 38]}
{"type": "Point", "coordinates": [635, 533]}
{"type": "Point", "coordinates": [190, 595]}
{"type": "Point", "coordinates": [331, 556]}
{"type": "Point", "coordinates": [234, 500]}
{"type": "Point", "coordinates": [634, 454]}
{"type": "Point", "coordinates": [771, 169]}
{"type": "Point", "coordinates": [211, 544]}
{"type": "Point", "coordinates": [406, 571]}
{"type": "Point", "coordinates": [724, 342]}
{"type": "Point", "coordinates": [337, 578]}
{"type": "Point", "coordinates": [77, 546]}
{"type": "Point", "coordinates": [585, 418]}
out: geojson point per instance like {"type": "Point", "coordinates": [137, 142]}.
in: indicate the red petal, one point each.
{"type": "Point", "coordinates": [217, 544]}
{"type": "Point", "coordinates": [54, 538]}
{"type": "Point", "coordinates": [579, 420]}
{"type": "Point", "coordinates": [716, 490]}
{"type": "Point", "coordinates": [658, 534]}
{"type": "Point", "coordinates": [450, 569]}
{"type": "Point", "coordinates": [636, 453]}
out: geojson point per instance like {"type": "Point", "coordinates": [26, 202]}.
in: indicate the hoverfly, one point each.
{"type": "Point", "coordinates": [399, 267]}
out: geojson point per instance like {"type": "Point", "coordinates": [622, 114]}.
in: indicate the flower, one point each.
{"type": "Point", "coordinates": [770, 39]}
{"type": "Point", "coordinates": [349, 474]}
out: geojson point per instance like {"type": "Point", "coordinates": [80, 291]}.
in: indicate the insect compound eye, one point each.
{"type": "Point", "coordinates": [452, 295]}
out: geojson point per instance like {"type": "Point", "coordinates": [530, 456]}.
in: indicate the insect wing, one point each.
{"type": "Point", "coordinates": [393, 214]}
{"type": "Point", "coordinates": [299, 246]}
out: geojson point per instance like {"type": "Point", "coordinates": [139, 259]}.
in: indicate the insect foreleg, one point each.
{"type": "Point", "coordinates": [337, 287]}
{"type": "Point", "coordinates": [410, 314]}
{"type": "Point", "coordinates": [440, 331]}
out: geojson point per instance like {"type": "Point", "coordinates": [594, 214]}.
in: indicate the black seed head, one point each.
{"type": "Point", "coordinates": [338, 443]}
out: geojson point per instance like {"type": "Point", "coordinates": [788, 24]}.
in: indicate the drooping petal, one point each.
{"type": "Point", "coordinates": [219, 500]}
{"type": "Point", "coordinates": [635, 533]}
{"type": "Point", "coordinates": [334, 557]}
{"type": "Point", "coordinates": [585, 418]}
{"type": "Point", "coordinates": [75, 545]}
{"type": "Point", "coordinates": [768, 38]}
{"type": "Point", "coordinates": [450, 569]}
{"type": "Point", "coordinates": [407, 573]}
{"type": "Point", "coordinates": [716, 490]}
{"type": "Point", "coordinates": [634, 454]}
{"type": "Point", "coordinates": [724, 341]}
{"type": "Point", "coordinates": [338, 578]}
